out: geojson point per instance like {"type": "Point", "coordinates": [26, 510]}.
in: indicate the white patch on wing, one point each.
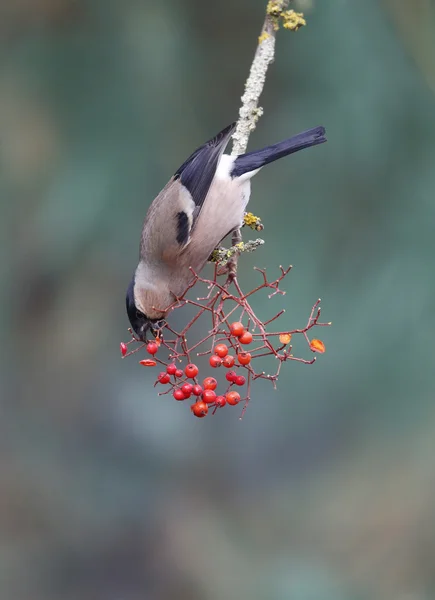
{"type": "Point", "coordinates": [187, 205]}
{"type": "Point", "coordinates": [247, 176]}
{"type": "Point", "coordinates": [224, 167]}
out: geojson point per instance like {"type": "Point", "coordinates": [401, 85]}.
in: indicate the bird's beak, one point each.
{"type": "Point", "coordinates": [143, 331]}
{"type": "Point", "coordinates": [156, 328]}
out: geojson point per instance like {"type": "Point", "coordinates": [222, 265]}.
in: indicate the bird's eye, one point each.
{"type": "Point", "coordinates": [139, 315]}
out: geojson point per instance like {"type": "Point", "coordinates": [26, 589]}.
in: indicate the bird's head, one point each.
{"type": "Point", "coordinates": [140, 322]}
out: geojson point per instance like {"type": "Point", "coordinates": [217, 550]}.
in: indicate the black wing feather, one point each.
{"type": "Point", "coordinates": [183, 227]}
{"type": "Point", "coordinates": [197, 172]}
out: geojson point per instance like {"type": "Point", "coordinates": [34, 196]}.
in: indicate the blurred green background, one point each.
{"type": "Point", "coordinates": [326, 489]}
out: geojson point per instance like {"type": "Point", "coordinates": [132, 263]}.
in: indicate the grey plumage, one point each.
{"type": "Point", "coordinates": [202, 203]}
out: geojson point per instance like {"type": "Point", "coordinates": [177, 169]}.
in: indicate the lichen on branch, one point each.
{"type": "Point", "coordinates": [221, 256]}
{"type": "Point", "coordinates": [250, 112]}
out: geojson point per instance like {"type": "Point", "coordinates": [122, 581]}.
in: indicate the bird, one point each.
{"type": "Point", "coordinates": [203, 202]}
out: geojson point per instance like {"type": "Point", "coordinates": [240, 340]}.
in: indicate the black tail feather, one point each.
{"type": "Point", "coordinates": [245, 163]}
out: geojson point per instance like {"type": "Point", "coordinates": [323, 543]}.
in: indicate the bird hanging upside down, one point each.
{"type": "Point", "coordinates": [200, 205]}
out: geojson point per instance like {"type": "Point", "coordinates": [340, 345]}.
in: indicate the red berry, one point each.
{"type": "Point", "coordinates": [152, 348]}
{"type": "Point", "coordinates": [179, 394]}
{"type": "Point", "coordinates": [231, 376]}
{"type": "Point", "coordinates": [171, 369]}
{"type": "Point", "coordinates": [179, 373]}
{"type": "Point", "coordinates": [215, 361]}
{"type": "Point", "coordinates": [237, 328]}
{"type": "Point", "coordinates": [187, 389]}
{"type": "Point", "coordinates": [229, 361]}
{"type": "Point", "coordinates": [197, 390]}
{"type": "Point", "coordinates": [221, 350]}
{"type": "Point", "coordinates": [208, 396]}
{"type": "Point", "coordinates": [199, 409]}
{"type": "Point", "coordinates": [245, 338]}
{"type": "Point", "coordinates": [240, 380]}
{"type": "Point", "coordinates": [123, 348]}
{"type": "Point", "coordinates": [232, 398]}
{"type": "Point", "coordinates": [209, 383]}
{"type": "Point", "coordinates": [191, 371]}
{"type": "Point", "coordinates": [244, 358]}
{"type": "Point", "coordinates": [147, 362]}
{"type": "Point", "coordinates": [220, 401]}
{"type": "Point", "coordinates": [164, 378]}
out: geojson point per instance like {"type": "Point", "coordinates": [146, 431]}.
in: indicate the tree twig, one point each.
{"type": "Point", "coordinates": [250, 112]}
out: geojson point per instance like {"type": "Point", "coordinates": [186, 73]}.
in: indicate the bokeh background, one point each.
{"type": "Point", "coordinates": [326, 489]}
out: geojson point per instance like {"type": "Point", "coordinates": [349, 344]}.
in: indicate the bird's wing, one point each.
{"type": "Point", "coordinates": [197, 172]}
{"type": "Point", "coordinates": [174, 212]}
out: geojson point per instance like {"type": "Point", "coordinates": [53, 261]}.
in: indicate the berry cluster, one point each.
{"type": "Point", "coordinates": [225, 345]}
{"type": "Point", "coordinates": [205, 394]}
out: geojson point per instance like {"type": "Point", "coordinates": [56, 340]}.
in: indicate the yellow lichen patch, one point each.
{"type": "Point", "coordinates": [263, 36]}
{"type": "Point", "coordinates": [293, 20]}
{"type": "Point", "coordinates": [253, 222]}
{"type": "Point", "coordinates": [274, 8]}
{"type": "Point", "coordinates": [274, 11]}
{"type": "Point", "coordinates": [221, 256]}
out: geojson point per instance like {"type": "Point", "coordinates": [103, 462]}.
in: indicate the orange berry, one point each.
{"type": "Point", "coordinates": [221, 350]}
{"type": "Point", "coordinates": [285, 338]}
{"type": "Point", "coordinates": [215, 361]}
{"type": "Point", "coordinates": [244, 358]}
{"type": "Point", "coordinates": [237, 328]}
{"type": "Point", "coordinates": [228, 361]}
{"type": "Point", "coordinates": [220, 401]}
{"type": "Point", "coordinates": [191, 371]}
{"type": "Point", "coordinates": [208, 396]}
{"type": "Point", "coordinates": [209, 383]}
{"type": "Point", "coordinates": [199, 409]}
{"type": "Point", "coordinates": [232, 398]}
{"type": "Point", "coordinates": [231, 376]}
{"type": "Point", "coordinates": [246, 337]}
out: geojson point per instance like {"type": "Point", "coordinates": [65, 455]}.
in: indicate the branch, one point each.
{"type": "Point", "coordinates": [250, 112]}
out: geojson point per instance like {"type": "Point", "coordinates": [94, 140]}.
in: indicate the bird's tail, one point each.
{"type": "Point", "coordinates": [245, 163]}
